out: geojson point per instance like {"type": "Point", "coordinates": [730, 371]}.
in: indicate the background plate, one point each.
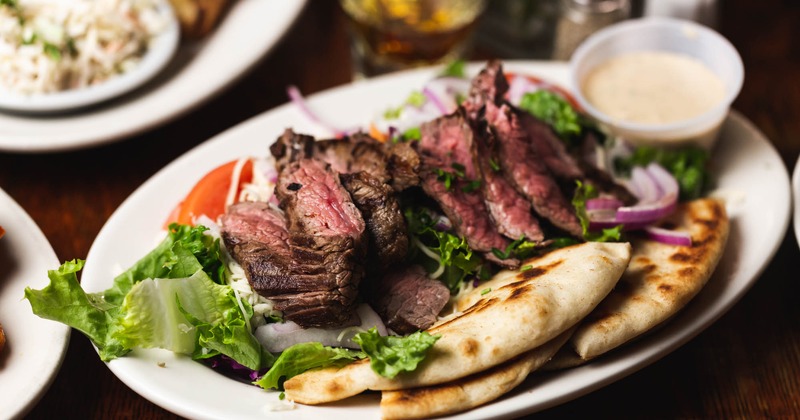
{"type": "Point", "coordinates": [198, 71]}
{"type": "Point", "coordinates": [750, 175]}
{"type": "Point", "coordinates": [35, 347]}
{"type": "Point", "coordinates": [796, 195]}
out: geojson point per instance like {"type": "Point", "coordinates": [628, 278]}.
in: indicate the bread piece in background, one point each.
{"type": "Point", "coordinates": [199, 17]}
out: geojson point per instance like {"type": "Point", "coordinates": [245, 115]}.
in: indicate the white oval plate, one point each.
{"type": "Point", "coordinates": [161, 50]}
{"type": "Point", "coordinates": [796, 195]}
{"type": "Point", "coordinates": [198, 71]}
{"type": "Point", "coordinates": [35, 347]}
{"type": "Point", "coordinates": [750, 173]}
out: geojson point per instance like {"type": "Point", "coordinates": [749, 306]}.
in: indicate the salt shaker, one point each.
{"type": "Point", "coordinates": [581, 18]}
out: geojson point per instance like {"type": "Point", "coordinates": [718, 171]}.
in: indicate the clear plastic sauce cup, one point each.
{"type": "Point", "coordinates": [658, 34]}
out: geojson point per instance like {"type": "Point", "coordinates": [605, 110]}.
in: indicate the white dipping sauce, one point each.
{"type": "Point", "coordinates": [653, 87]}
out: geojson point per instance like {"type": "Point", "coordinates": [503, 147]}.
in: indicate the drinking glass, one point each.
{"type": "Point", "coordinates": [391, 35]}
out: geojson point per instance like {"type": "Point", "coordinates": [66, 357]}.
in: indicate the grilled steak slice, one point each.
{"type": "Point", "coordinates": [490, 85]}
{"type": "Point", "coordinates": [256, 237]}
{"type": "Point", "coordinates": [408, 300]}
{"type": "Point", "coordinates": [385, 224]}
{"type": "Point", "coordinates": [326, 234]}
{"type": "Point", "coordinates": [351, 155]}
{"type": "Point", "coordinates": [315, 202]}
{"type": "Point", "coordinates": [511, 212]}
{"type": "Point", "coordinates": [549, 147]}
{"type": "Point", "coordinates": [403, 165]}
{"type": "Point", "coordinates": [446, 154]}
{"type": "Point", "coordinates": [396, 164]}
{"type": "Point", "coordinates": [526, 170]}
{"type": "Point", "coordinates": [290, 147]}
{"type": "Point", "coordinates": [300, 274]}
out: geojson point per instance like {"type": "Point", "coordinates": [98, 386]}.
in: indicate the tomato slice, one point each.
{"type": "Point", "coordinates": [208, 196]}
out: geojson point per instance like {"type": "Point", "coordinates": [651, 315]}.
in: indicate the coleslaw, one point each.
{"type": "Point", "coordinates": [48, 46]}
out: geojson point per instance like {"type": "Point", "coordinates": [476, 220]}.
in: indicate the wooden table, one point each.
{"type": "Point", "coordinates": [747, 365]}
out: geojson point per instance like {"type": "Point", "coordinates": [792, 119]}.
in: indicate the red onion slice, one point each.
{"type": "Point", "coordinates": [645, 186]}
{"type": "Point", "coordinates": [665, 180]}
{"type": "Point", "coordinates": [658, 192]}
{"type": "Point", "coordinates": [518, 87]}
{"type": "Point", "coordinates": [647, 212]}
{"type": "Point", "coordinates": [669, 237]}
{"type": "Point", "coordinates": [434, 99]}
{"type": "Point", "coordinates": [603, 203]}
{"type": "Point", "coordinates": [297, 98]}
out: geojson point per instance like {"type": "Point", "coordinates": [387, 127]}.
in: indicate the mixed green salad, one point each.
{"type": "Point", "coordinates": [179, 297]}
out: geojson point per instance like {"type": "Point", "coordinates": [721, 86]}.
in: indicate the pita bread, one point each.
{"type": "Point", "coordinates": [522, 311]}
{"type": "Point", "coordinates": [470, 392]}
{"type": "Point", "coordinates": [659, 281]}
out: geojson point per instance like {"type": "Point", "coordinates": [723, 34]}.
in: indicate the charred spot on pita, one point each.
{"type": "Point", "coordinates": [665, 287]}
{"type": "Point", "coordinates": [534, 272]}
{"type": "Point", "coordinates": [469, 347]}
{"type": "Point", "coordinates": [519, 291]}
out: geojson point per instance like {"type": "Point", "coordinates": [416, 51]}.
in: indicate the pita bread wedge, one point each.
{"type": "Point", "coordinates": [522, 311]}
{"type": "Point", "coordinates": [470, 392]}
{"type": "Point", "coordinates": [659, 281]}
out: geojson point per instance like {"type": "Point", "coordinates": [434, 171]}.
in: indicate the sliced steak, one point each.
{"type": "Point", "coordinates": [350, 155]}
{"type": "Point", "coordinates": [446, 150]}
{"type": "Point", "coordinates": [510, 211]}
{"type": "Point", "coordinates": [385, 224]}
{"type": "Point", "coordinates": [403, 165]}
{"type": "Point", "coordinates": [315, 202]}
{"type": "Point", "coordinates": [290, 147]}
{"type": "Point", "coordinates": [326, 234]}
{"type": "Point", "coordinates": [490, 85]}
{"type": "Point", "coordinates": [301, 275]}
{"type": "Point", "coordinates": [527, 171]}
{"type": "Point", "coordinates": [549, 147]}
{"type": "Point", "coordinates": [408, 300]}
{"type": "Point", "coordinates": [396, 164]}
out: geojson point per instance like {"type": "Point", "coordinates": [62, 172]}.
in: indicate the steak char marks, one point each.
{"type": "Point", "coordinates": [307, 260]}
{"type": "Point", "coordinates": [386, 226]}
{"type": "Point", "coordinates": [312, 287]}
{"type": "Point", "coordinates": [371, 173]}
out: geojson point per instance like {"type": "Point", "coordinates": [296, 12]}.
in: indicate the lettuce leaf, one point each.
{"type": "Point", "coordinates": [192, 316]}
{"type": "Point", "coordinates": [302, 357]}
{"type": "Point", "coordinates": [555, 111]}
{"type": "Point", "coordinates": [64, 300]}
{"type": "Point", "coordinates": [390, 355]}
{"type": "Point", "coordinates": [169, 299]}
{"type": "Point", "coordinates": [457, 259]}
{"type": "Point", "coordinates": [162, 262]}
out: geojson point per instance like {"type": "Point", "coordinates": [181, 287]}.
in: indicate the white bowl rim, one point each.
{"type": "Point", "coordinates": [695, 124]}
{"type": "Point", "coordinates": [159, 53]}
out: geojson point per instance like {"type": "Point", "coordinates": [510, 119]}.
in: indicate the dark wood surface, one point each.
{"type": "Point", "coordinates": [746, 365]}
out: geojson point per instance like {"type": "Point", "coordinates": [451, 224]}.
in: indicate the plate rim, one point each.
{"type": "Point", "coordinates": [796, 199]}
{"type": "Point", "coordinates": [75, 132]}
{"type": "Point", "coordinates": [60, 334]}
{"type": "Point", "coordinates": [516, 408]}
